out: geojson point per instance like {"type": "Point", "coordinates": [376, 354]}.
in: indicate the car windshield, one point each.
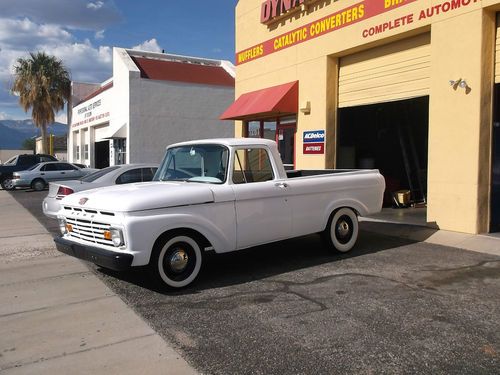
{"type": "Point", "coordinates": [11, 161]}
{"type": "Point", "coordinates": [197, 163]}
{"type": "Point", "coordinates": [94, 176]}
{"type": "Point", "coordinates": [33, 167]}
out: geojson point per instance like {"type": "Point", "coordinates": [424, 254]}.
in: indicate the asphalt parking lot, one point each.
{"type": "Point", "coordinates": [390, 306]}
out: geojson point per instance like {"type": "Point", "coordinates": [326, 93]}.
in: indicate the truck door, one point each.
{"type": "Point", "coordinates": [263, 213]}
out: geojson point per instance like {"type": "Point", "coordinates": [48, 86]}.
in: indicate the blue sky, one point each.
{"type": "Point", "coordinates": [83, 32]}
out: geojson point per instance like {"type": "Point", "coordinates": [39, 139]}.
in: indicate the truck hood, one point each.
{"type": "Point", "coordinates": [141, 196]}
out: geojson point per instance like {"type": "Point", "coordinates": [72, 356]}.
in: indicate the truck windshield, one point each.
{"type": "Point", "coordinates": [196, 163]}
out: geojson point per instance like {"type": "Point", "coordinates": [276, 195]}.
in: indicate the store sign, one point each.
{"type": "Point", "coordinates": [90, 112]}
{"type": "Point", "coordinates": [359, 12]}
{"type": "Point", "coordinates": [270, 9]}
{"type": "Point", "coordinates": [314, 148]}
{"type": "Point", "coordinates": [314, 136]}
{"type": "Point", "coordinates": [314, 142]}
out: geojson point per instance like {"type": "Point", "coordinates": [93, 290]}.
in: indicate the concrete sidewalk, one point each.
{"type": "Point", "coordinates": [57, 317]}
{"type": "Point", "coordinates": [488, 244]}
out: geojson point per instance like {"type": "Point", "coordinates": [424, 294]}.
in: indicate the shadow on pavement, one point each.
{"type": "Point", "coordinates": [223, 270]}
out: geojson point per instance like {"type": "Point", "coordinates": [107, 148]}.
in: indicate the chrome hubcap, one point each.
{"type": "Point", "coordinates": [343, 228]}
{"type": "Point", "coordinates": [179, 260]}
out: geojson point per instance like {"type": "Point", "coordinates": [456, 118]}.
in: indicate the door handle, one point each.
{"type": "Point", "coordinates": [42, 174]}
{"type": "Point", "coordinates": [281, 185]}
{"type": "Point", "coordinates": [63, 172]}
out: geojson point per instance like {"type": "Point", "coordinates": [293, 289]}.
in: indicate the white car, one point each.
{"type": "Point", "coordinates": [38, 176]}
{"type": "Point", "coordinates": [214, 195]}
{"type": "Point", "coordinates": [117, 174]}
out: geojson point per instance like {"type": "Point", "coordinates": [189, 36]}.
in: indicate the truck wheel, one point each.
{"type": "Point", "coordinates": [341, 232]}
{"type": "Point", "coordinates": [7, 184]}
{"type": "Point", "coordinates": [38, 184]}
{"type": "Point", "coordinates": [176, 261]}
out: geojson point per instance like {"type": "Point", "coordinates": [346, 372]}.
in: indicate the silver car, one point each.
{"type": "Point", "coordinates": [117, 174]}
{"type": "Point", "coordinates": [38, 176]}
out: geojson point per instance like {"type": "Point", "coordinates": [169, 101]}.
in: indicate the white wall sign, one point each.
{"type": "Point", "coordinates": [93, 111]}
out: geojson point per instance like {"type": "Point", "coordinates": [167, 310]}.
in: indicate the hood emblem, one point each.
{"type": "Point", "coordinates": [83, 201]}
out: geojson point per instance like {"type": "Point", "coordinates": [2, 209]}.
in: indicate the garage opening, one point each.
{"type": "Point", "coordinates": [392, 137]}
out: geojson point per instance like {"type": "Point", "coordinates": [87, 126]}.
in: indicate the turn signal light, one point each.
{"type": "Point", "coordinates": [69, 227]}
{"type": "Point", "coordinates": [107, 235]}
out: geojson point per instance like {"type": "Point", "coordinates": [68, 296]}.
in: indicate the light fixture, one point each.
{"type": "Point", "coordinates": [305, 108]}
{"type": "Point", "coordinates": [462, 83]}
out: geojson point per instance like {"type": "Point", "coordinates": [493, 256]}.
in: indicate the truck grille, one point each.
{"type": "Point", "coordinates": [89, 230]}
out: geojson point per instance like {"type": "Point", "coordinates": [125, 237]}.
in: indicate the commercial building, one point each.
{"type": "Point", "coordinates": [152, 100]}
{"type": "Point", "coordinates": [407, 86]}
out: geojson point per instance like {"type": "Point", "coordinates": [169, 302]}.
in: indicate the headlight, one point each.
{"type": "Point", "coordinates": [62, 225]}
{"type": "Point", "coordinates": [115, 235]}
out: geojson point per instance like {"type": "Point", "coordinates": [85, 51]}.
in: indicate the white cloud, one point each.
{"type": "Point", "coordinates": [149, 45]}
{"type": "Point", "coordinates": [62, 117]}
{"type": "Point", "coordinates": [86, 62]}
{"type": "Point", "coordinates": [25, 34]}
{"type": "Point", "coordinates": [99, 34]}
{"type": "Point", "coordinates": [78, 14]}
{"type": "Point", "coordinates": [96, 5]}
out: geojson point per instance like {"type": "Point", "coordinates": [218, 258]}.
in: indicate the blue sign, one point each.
{"type": "Point", "coordinates": [315, 136]}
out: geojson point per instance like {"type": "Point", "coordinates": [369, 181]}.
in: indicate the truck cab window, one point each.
{"type": "Point", "coordinates": [252, 165]}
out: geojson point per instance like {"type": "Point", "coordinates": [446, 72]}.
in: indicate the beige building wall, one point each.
{"type": "Point", "coordinates": [462, 46]}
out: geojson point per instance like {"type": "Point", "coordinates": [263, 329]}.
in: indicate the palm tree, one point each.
{"type": "Point", "coordinates": [43, 85]}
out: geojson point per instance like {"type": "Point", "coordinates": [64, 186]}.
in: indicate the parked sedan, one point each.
{"type": "Point", "coordinates": [38, 176]}
{"type": "Point", "coordinates": [117, 174]}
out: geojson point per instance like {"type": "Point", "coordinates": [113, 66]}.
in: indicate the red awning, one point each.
{"type": "Point", "coordinates": [272, 101]}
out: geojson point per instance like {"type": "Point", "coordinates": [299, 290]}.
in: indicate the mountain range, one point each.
{"type": "Point", "coordinates": [14, 132]}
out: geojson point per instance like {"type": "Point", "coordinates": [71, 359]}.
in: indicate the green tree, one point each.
{"type": "Point", "coordinates": [43, 85]}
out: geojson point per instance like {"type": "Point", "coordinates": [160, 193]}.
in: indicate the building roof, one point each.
{"type": "Point", "coordinates": [188, 72]}
{"type": "Point", "coordinates": [101, 89]}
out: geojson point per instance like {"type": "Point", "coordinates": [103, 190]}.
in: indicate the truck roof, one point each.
{"type": "Point", "coordinates": [230, 142]}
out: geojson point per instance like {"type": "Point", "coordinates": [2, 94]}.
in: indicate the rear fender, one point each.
{"type": "Point", "coordinates": [357, 206]}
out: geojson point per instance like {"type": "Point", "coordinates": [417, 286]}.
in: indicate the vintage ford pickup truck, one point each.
{"type": "Point", "coordinates": [214, 195]}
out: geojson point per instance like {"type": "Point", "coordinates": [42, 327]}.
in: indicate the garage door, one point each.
{"type": "Point", "coordinates": [396, 71]}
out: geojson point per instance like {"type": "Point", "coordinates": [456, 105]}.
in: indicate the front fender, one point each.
{"type": "Point", "coordinates": [142, 232]}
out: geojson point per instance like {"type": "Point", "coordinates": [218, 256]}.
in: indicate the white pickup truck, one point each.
{"type": "Point", "coordinates": [214, 195]}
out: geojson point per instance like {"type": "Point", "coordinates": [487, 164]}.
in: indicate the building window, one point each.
{"type": "Point", "coordinates": [120, 146]}
{"type": "Point", "coordinates": [77, 152]}
{"type": "Point", "coordinates": [282, 130]}
{"type": "Point", "coordinates": [86, 150]}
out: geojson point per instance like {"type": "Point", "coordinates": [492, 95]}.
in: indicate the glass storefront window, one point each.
{"type": "Point", "coordinates": [270, 130]}
{"type": "Point", "coordinates": [120, 146]}
{"type": "Point", "coordinates": [254, 129]}
{"type": "Point", "coordinates": [282, 130]}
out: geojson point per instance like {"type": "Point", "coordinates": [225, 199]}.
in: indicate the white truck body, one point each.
{"type": "Point", "coordinates": [223, 214]}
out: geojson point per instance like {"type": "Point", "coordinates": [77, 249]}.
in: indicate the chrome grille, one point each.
{"type": "Point", "coordinates": [89, 230]}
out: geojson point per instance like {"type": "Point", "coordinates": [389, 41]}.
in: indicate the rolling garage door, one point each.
{"type": "Point", "coordinates": [395, 71]}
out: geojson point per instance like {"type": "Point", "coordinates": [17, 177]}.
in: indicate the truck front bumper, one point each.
{"type": "Point", "coordinates": [104, 258]}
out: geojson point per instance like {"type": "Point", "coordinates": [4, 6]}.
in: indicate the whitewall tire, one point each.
{"type": "Point", "coordinates": [341, 233]}
{"type": "Point", "coordinates": [176, 261]}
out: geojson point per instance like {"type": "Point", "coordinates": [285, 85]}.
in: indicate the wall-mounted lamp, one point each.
{"type": "Point", "coordinates": [305, 108]}
{"type": "Point", "coordinates": [462, 83]}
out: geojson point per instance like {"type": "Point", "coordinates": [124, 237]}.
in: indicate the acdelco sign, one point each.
{"type": "Point", "coordinates": [314, 136]}
{"type": "Point", "coordinates": [271, 9]}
